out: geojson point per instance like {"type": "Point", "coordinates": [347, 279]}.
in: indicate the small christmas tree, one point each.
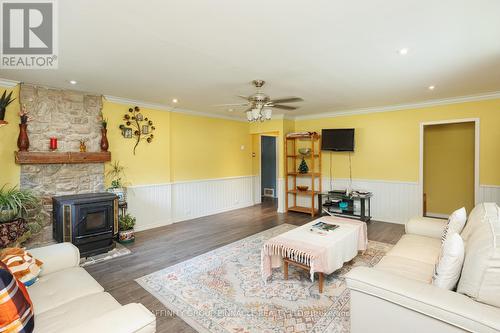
{"type": "Point", "coordinates": [303, 168]}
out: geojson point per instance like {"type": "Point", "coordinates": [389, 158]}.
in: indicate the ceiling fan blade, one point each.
{"type": "Point", "coordinates": [287, 100]}
{"type": "Point", "coordinates": [284, 107]}
{"type": "Point", "coordinates": [244, 97]}
{"type": "Point", "coordinates": [232, 104]}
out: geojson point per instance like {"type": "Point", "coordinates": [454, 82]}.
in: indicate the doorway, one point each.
{"type": "Point", "coordinates": [268, 167]}
{"type": "Point", "coordinates": [449, 165]}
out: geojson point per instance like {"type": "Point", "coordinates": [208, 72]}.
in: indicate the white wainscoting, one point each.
{"type": "Point", "coordinates": [489, 193]}
{"type": "Point", "coordinates": [163, 204]}
{"type": "Point", "coordinates": [151, 205]}
{"type": "Point", "coordinates": [200, 198]}
{"type": "Point", "coordinates": [392, 201]}
{"type": "Point", "coordinates": [257, 191]}
{"type": "Point", "coordinates": [281, 195]}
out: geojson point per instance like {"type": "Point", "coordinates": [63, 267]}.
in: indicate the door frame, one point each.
{"type": "Point", "coordinates": [276, 146]}
{"type": "Point", "coordinates": [476, 122]}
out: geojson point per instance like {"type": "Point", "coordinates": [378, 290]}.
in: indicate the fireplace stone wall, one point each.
{"type": "Point", "coordinates": [69, 116]}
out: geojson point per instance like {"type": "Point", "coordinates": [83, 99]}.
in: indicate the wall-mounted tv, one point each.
{"type": "Point", "coordinates": [340, 139]}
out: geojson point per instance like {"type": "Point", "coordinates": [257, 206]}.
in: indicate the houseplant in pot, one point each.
{"type": "Point", "coordinates": [14, 205]}
{"type": "Point", "coordinates": [5, 100]}
{"type": "Point", "coordinates": [116, 174]}
{"type": "Point", "coordinates": [126, 233]}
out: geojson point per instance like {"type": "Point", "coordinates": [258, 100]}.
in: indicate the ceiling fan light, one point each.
{"type": "Point", "coordinates": [268, 113]}
{"type": "Point", "coordinates": [249, 115]}
{"type": "Point", "coordinates": [256, 114]}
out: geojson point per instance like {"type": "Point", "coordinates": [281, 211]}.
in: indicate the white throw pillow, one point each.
{"type": "Point", "coordinates": [456, 223]}
{"type": "Point", "coordinates": [480, 277]}
{"type": "Point", "coordinates": [450, 262]}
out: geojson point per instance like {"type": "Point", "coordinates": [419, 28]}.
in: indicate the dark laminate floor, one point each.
{"type": "Point", "coordinates": [162, 247]}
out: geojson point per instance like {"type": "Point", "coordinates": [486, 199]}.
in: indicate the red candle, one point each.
{"type": "Point", "coordinates": [53, 143]}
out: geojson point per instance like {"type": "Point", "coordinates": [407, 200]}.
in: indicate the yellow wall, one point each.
{"type": "Point", "coordinates": [204, 148]}
{"type": "Point", "coordinates": [185, 147]}
{"type": "Point", "coordinates": [387, 143]}
{"type": "Point", "coordinates": [151, 163]}
{"type": "Point", "coordinates": [9, 171]}
{"type": "Point", "coordinates": [190, 147]}
{"type": "Point", "coordinates": [449, 167]}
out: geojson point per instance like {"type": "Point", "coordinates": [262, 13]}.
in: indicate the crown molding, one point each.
{"type": "Point", "coordinates": [8, 83]}
{"type": "Point", "coordinates": [401, 107]}
{"type": "Point", "coordinates": [207, 114]}
{"type": "Point", "coordinates": [169, 108]}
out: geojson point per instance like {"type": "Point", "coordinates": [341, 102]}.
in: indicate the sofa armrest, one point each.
{"type": "Point", "coordinates": [130, 318]}
{"type": "Point", "coordinates": [56, 257]}
{"type": "Point", "coordinates": [425, 226]}
{"type": "Point", "coordinates": [444, 305]}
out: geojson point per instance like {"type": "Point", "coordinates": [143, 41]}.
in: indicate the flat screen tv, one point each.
{"type": "Point", "coordinates": [341, 139]}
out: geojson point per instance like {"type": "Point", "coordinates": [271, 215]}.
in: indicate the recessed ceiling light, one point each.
{"type": "Point", "coordinates": [432, 87]}
{"type": "Point", "coordinates": [175, 100]}
{"type": "Point", "coordinates": [230, 110]}
{"type": "Point", "coordinates": [73, 82]}
{"type": "Point", "coordinates": [403, 51]}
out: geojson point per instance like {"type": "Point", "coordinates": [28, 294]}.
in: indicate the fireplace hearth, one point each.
{"type": "Point", "coordinates": [89, 221]}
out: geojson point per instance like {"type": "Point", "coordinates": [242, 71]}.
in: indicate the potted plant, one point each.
{"type": "Point", "coordinates": [14, 205]}
{"type": "Point", "coordinates": [5, 100]}
{"type": "Point", "coordinates": [115, 174]}
{"type": "Point", "coordinates": [126, 233]}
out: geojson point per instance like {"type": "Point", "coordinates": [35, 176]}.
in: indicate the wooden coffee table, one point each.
{"type": "Point", "coordinates": [287, 262]}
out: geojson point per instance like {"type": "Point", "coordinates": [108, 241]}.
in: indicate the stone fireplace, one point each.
{"type": "Point", "coordinates": [69, 116]}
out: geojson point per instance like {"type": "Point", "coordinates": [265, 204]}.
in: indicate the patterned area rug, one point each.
{"type": "Point", "coordinates": [222, 291]}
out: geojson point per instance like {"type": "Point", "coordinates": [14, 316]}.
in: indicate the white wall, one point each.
{"type": "Point", "coordinates": [163, 204]}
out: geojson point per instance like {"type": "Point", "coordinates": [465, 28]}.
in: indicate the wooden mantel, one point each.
{"type": "Point", "coordinates": [33, 157]}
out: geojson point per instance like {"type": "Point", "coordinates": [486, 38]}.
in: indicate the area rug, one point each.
{"type": "Point", "coordinates": [118, 251]}
{"type": "Point", "coordinates": [222, 291]}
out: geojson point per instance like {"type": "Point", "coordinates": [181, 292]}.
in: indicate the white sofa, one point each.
{"type": "Point", "coordinates": [67, 299]}
{"type": "Point", "coordinates": [397, 294]}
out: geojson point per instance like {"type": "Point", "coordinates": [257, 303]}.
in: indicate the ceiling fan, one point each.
{"type": "Point", "coordinates": [259, 105]}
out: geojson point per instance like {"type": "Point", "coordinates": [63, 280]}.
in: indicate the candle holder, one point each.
{"type": "Point", "coordinates": [53, 144]}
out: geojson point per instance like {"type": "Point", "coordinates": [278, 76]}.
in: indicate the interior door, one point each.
{"type": "Point", "coordinates": [268, 164]}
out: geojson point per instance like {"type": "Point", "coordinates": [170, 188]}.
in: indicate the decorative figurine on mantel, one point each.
{"type": "Point", "coordinates": [83, 146]}
{"type": "Point", "coordinates": [23, 143]}
{"type": "Point", "coordinates": [142, 127]}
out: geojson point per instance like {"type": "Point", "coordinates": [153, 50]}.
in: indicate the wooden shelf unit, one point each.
{"type": "Point", "coordinates": [29, 157]}
{"type": "Point", "coordinates": [314, 163]}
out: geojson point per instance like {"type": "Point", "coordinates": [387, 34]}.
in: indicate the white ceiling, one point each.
{"type": "Point", "coordinates": [337, 55]}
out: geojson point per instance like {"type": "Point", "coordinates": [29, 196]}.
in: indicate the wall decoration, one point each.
{"type": "Point", "coordinates": [137, 126]}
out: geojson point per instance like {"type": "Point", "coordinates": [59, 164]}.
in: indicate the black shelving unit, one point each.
{"type": "Point", "coordinates": [340, 204]}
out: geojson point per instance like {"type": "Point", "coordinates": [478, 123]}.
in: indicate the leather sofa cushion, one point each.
{"type": "Point", "coordinates": [408, 268]}
{"type": "Point", "coordinates": [61, 287]}
{"type": "Point", "coordinates": [417, 248]}
{"type": "Point", "coordinates": [75, 312]}
{"type": "Point", "coordinates": [480, 277]}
